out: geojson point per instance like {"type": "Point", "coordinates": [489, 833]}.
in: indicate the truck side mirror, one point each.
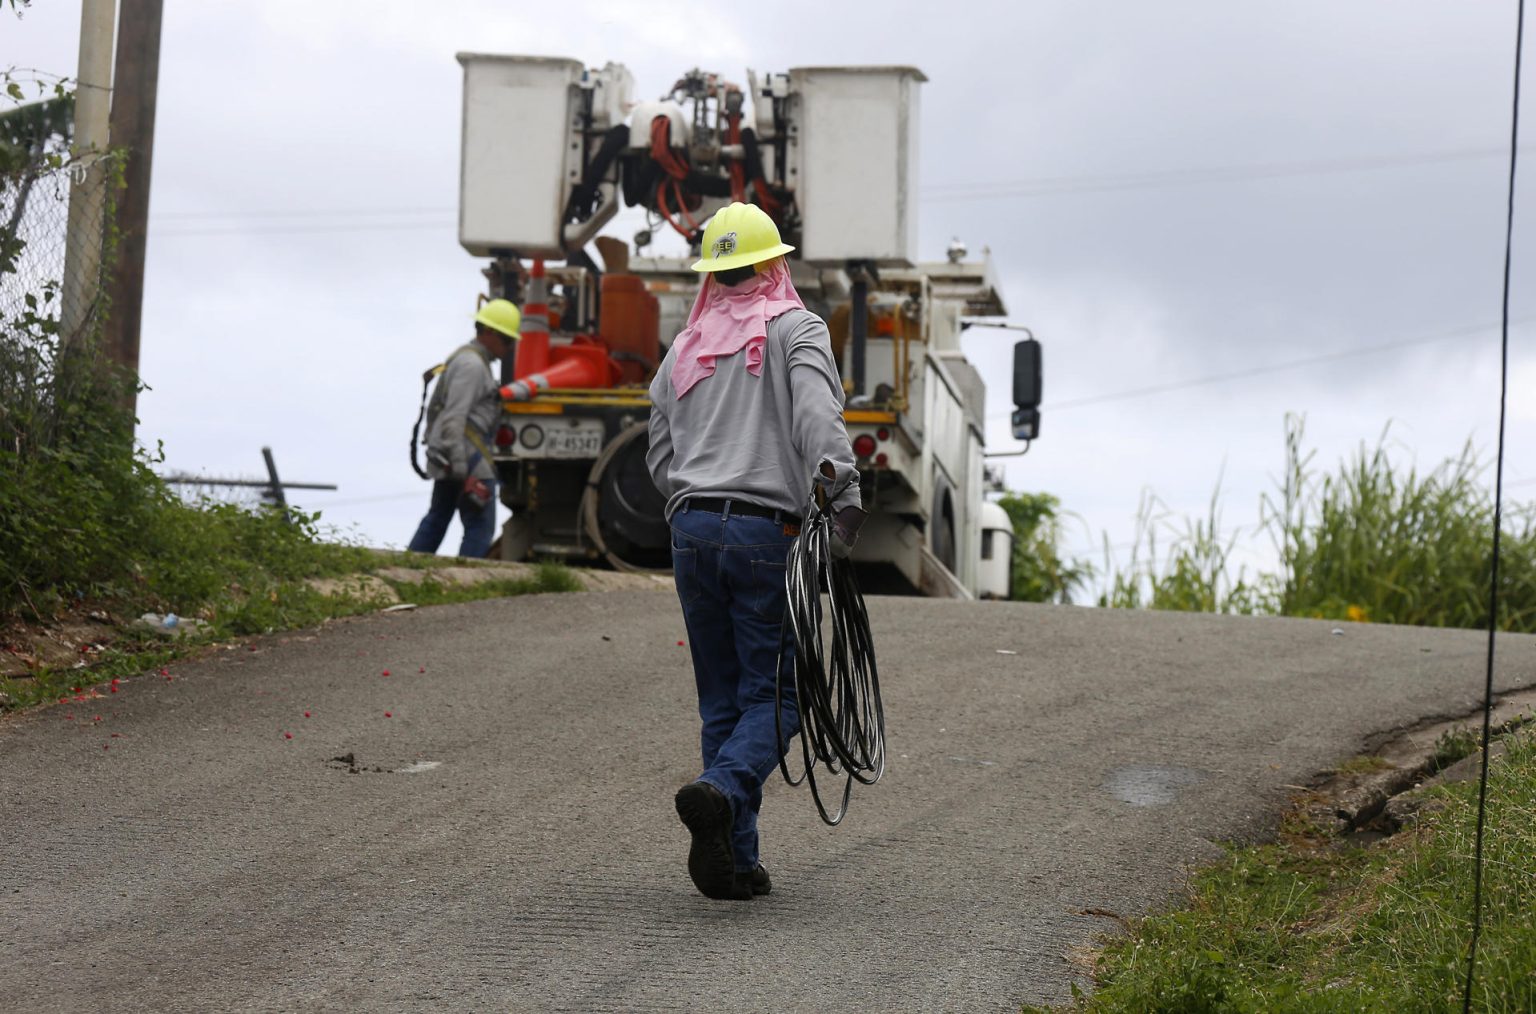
{"type": "Point", "coordinates": [1026, 389]}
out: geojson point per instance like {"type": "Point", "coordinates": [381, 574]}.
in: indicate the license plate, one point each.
{"type": "Point", "coordinates": [584, 440]}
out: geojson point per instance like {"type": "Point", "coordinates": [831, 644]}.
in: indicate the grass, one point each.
{"type": "Point", "coordinates": [1309, 924]}
{"type": "Point", "coordinates": [1454, 745]}
{"type": "Point", "coordinates": [1370, 543]}
{"type": "Point", "coordinates": [546, 577]}
{"type": "Point", "coordinates": [264, 603]}
{"type": "Point", "coordinates": [1363, 765]}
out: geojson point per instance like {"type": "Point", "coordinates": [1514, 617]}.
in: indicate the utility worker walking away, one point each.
{"type": "Point", "coordinates": [746, 409]}
{"type": "Point", "coordinates": [460, 418]}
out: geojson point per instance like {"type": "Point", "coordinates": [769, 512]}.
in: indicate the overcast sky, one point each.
{"type": "Point", "coordinates": [1171, 192]}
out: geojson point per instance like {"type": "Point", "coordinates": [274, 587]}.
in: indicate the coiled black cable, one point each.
{"type": "Point", "coordinates": [837, 687]}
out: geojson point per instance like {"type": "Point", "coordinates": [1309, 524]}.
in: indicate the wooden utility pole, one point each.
{"type": "Point", "coordinates": [88, 190]}
{"type": "Point", "coordinates": [134, 88]}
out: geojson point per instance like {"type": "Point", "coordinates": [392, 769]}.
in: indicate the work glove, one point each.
{"type": "Point", "coordinates": [476, 494]}
{"type": "Point", "coordinates": [845, 531]}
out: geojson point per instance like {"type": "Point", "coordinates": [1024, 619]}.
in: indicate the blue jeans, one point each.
{"type": "Point", "coordinates": [730, 580]}
{"type": "Point", "coordinates": [479, 525]}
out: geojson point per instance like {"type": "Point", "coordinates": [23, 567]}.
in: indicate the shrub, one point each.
{"type": "Point", "coordinates": [1039, 572]}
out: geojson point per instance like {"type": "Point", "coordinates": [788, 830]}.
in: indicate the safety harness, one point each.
{"type": "Point", "coordinates": [428, 413]}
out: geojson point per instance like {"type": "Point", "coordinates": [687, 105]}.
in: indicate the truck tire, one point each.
{"type": "Point", "coordinates": [941, 528]}
{"type": "Point", "coordinates": [622, 511]}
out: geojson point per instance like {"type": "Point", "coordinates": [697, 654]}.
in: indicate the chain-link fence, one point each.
{"type": "Point", "coordinates": [55, 214]}
{"type": "Point", "coordinates": [40, 279]}
{"type": "Point", "coordinates": [54, 207]}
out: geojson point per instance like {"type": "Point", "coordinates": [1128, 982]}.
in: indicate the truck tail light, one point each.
{"type": "Point", "coordinates": [883, 434]}
{"type": "Point", "coordinates": [506, 436]}
{"type": "Point", "coordinates": [863, 445]}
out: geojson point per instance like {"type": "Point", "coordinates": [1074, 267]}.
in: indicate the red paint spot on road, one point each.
{"type": "Point", "coordinates": [386, 672]}
{"type": "Point", "coordinates": [287, 735]}
{"type": "Point", "coordinates": [306, 714]}
{"type": "Point", "coordinates": [389, 714]}
{"type": "Point", "coordinates": [679, 644]}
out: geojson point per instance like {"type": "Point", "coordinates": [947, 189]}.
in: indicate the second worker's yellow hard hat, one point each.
{"type": "Point", "coordinates": [500, 315]}
{"type": "Point", "coordinates": [739, 235]}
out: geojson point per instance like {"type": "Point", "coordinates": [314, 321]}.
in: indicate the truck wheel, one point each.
{"type": "Point", "coordinates": [622, 512]}
{"type": "Point", "coordinates": [941, 527]}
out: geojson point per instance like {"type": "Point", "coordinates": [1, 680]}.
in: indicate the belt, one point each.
{"type": "Point", "coordinates": [755, 510]}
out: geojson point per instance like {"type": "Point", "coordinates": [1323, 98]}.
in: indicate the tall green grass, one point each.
{"type": "Point", "coordinates": [1194, 574]}
{"type": "Point", "coordinates": [1370, 542]}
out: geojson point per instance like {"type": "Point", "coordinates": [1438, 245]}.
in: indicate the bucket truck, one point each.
{"type": "Point", "coordinates": [553, 150]}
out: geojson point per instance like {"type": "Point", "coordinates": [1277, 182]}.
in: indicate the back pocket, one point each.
{"type": "Point", "coordinates": [768, 595]}
{"type": "Point", "coordinates": [685, 573]}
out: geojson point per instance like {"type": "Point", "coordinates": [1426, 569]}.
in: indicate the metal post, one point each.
{"type": "Point", "coordinates": [134, 87]}
{"type": "Point", "coordinates": [88, 190]}
{"type": "Point", "coordinates": [858, 324]}
{"type": "Point", "coordinates": [275, 491]}
{"type": "Point", "coordinates": [505, 275]}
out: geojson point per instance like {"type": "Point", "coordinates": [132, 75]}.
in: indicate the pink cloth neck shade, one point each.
{"type": "Point", "coordinates": [727, 319]}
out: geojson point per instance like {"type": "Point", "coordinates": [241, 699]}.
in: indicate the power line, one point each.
{"type": "Point", "coordinates": [937, 193]}
{"type": "Point", "coordinates": [1498, 514]}
{"type": "Point", "coordinates": [189, 216]}
{"type": "Point", "coordinates": [1258, 371]}
{"type": "Point", "coordinates": [289, 230]}
{"type": "Point", "coordinates": [1190, 177]}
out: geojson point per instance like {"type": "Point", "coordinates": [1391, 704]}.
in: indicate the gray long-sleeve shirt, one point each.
{"type": "Point", "coordinates": [469, 403]}
{"type": "Point", "coordinates": [760, 439]}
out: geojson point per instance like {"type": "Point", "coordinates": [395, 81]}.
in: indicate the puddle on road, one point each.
{"type": "Point", "coordinates": [1150, 786]}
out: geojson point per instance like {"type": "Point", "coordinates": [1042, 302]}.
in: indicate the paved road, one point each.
{"type": "Point", "coordinates": [509, 843]}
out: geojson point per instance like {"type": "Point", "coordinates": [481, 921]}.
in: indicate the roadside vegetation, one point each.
{"type": "Point", "coordinates": [94, 536]}
{"type": "Point", "coordinates": [1039, 573]}
{"type": "Point", "coordinates": [1371, 542]}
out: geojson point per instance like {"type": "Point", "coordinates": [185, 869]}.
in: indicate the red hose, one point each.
{"type": "Point", "coordinates": [661, 206]}
{"type": "Point", "coordinates": [661, 148]}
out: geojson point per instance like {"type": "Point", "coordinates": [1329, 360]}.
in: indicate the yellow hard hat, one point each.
{"type": "Point", "coordinates": [500, 315]}
{"type": "Point", "coordinates": [739, 235]}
